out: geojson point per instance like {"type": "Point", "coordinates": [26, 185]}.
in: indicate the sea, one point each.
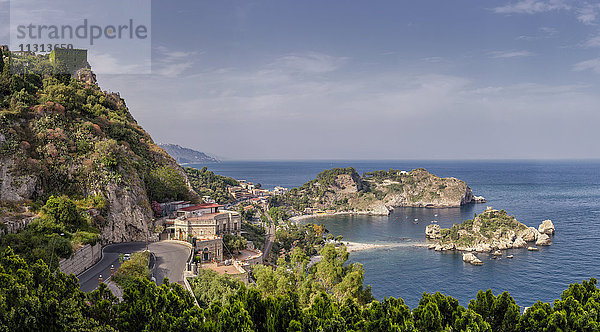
{"type": "Point", "coordinates": [567, 192]}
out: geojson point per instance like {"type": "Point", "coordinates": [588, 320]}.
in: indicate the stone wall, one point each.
{"type": "Point", "coordinates": [81, 259]}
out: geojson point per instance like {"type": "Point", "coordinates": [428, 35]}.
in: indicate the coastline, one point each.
{"type": "Point", "coordinates": [311, 216]}
{"type": "Point", "coordinates": [357, 246]}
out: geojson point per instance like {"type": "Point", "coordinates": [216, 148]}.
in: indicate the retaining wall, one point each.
{"type": "Point", "coordinates": [81, 259]}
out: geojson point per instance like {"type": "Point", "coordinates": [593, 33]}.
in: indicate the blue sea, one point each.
{"type": "Point", "coordinates": [567, 192]}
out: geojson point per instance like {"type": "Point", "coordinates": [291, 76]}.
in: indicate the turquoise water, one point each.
{"type": "Point", "coordinates": [568, 193]}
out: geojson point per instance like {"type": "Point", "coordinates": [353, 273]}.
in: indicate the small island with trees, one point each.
{"type": "Point", "coordinates": [491, 231]}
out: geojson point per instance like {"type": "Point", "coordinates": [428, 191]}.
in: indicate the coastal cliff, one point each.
{"type": "Point", "coordinates": [344, 190]}
{"type": "Point", "coordinates": [187, 156]}
{"type": "Point", "coordinates": [492, 230]}
{"type": "Point", "coordinates": [65, 137]}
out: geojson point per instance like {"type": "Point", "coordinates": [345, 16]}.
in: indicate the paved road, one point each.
{"type": "Point", "coordinates": [88, 280]}
{"type": "Point", "coordinates": [269, 239]}
{"type": "Point", "coordinates": [171, 258]}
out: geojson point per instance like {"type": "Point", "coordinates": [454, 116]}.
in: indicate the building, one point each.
{"type": "Point", "coordinates": [205, 225]}
{"type": "Point", "coordinates": [169, 208]}
{"type": "Point", "coordinates": [71, 59]}
{"type": "Point", "coordinates": [198, 210]}
{"type": "Point", "coordinates": [280, 190]}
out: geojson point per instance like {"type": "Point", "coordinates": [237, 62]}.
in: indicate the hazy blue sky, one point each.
{"type": "Point", "coordinates": [372, 79]}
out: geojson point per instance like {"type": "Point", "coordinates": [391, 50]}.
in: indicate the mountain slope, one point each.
{"type": "Point", "coordinates": [187, 156]}
{"type": "Point", "coordinates": [60, 136]}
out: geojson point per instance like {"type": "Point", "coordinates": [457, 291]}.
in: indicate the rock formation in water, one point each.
{"type": "Point", "coordinates": [489, 231]}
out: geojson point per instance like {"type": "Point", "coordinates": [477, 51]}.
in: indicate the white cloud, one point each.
{"type": "Point", "coordinates": [110, 64]}
{"type": "Point", "coordinates": [588, 13]}
{"type": "Point", "coordinates": [172, 63]}
{"type": "Point", "coordinates": [309, 62]}
{"type": "Point", "coordinates": [532, 7]}
{"type": "Point", "coordinates": [588, 65]}
{"type": "Point", "coordinates": [510, 54]}
{"type": "Point", "coordinates": [592, 42]}
{"type": "Point", "coordinates": [269, 111]}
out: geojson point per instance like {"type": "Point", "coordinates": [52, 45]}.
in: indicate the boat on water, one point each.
{"type": "Point", "coordinates": [510, 256]}
{"type": "Point", "coordinates": [533, 249]}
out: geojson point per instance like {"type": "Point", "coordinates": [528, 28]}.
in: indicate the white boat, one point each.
{"type": "Point", "coordinates": [510, 256]}
{"type": "Point", "coordinates": [533, 249]}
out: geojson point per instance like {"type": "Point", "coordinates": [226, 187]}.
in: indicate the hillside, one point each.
{"type": "Point", "coordinates": [187, 156]}
{"type": "Point", "coordinates": [66, 138]}
{"type": "Point", "coordinates": [207, 183]}
{"type": "Point", "coordinates": [343, 189]}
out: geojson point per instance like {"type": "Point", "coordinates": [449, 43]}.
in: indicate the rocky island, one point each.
{"type": "Point", "coordinates": [377, 193]}
{"type": "Point", "coordinates": [491, 231]}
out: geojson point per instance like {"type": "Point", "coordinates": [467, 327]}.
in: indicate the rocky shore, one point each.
{"type": "Point", "coordinates": [491, 231]}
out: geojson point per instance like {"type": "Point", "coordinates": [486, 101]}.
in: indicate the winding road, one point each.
{"type": "Point", "coordinates": [171, 258]}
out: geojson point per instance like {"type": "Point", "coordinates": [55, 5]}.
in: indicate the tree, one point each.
{"type": "Point", "coordinates": [235, 242]}
{"type": "Point", "coordinates": [63, 211]}
{"type": "Point", "coordinates": [210, 287]}
{"type": "Point", "coordinates": [165, 183]}
{"type": "Point", "coordinates": [502, 313]}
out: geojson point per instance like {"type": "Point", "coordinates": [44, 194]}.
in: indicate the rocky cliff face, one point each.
{"type": "Point", "coordinates": [15, 186]}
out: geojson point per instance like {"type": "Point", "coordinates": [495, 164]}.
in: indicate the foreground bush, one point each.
{"type": "Point", "coordinates": [32, 298]}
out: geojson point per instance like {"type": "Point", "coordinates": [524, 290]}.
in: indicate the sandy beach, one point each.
{"type": "Point", "coordinates": [356, 246]}
{"type": "Point", "coordinates": [314, 216]}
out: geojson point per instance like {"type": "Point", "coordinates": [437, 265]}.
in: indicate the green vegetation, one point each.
{"type": "Point", "coordinates": [207, 183]}
{"type": "Point", "coordinates": [343, 189]}
{"type": "Point", "coordinates": [131, 270]}
{"type": "Point", "coordinates": [481, 228]}
{"type": "Point", "coordinates": [61, 228]}
{"type": "Point", "coordinates": [210, 287]}
{"type": "Point", "coordinates": [167, 184]}
{"type": "Point", "coordinates": [74, 144]}
{"type": "Point", "coordinates": [278, 214]}
{"type": "Point", "coordinates": [71, 134]}
{"type": "Point", "coordinates": [254, 233]}
{"type": "Point", "coordinates": [235, 243]}
{"type": "Point", "coordinates": [308, 237]}
{"type": "Point", "coordinates": [32, 297]}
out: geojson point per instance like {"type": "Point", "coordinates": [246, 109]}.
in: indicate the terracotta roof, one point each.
{"type": "Point", "coordinates": [200, 207]}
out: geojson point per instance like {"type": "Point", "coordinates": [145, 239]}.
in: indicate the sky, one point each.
{"type": "Point", "coordinates": [285, 79]}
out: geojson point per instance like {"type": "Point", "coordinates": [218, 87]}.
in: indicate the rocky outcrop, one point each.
{"type": "Point", "coordinates": [529, 234]}
{"type": "Point", "coordinates": [519, 243]}
{"type": "Point", "coordinates": [543, 240]}
{"type": "Point", "coordinates": [471, 259]}
{"type": "Point", "coordinates": [128, 215]}
{"type": "Point", "coordinates": [546, 227]}
{"type": "Point", "coordinates": [379, 210]}
{"type": "Point", "coordinates": [15, 185]}
{"type": "Point", "coordinates": [433, 231]}
{"type": "Point", "coordinates": [490, 231]}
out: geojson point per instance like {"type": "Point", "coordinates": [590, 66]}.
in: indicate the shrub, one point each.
{"type": "Point", "coordinates": [136, 267]}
